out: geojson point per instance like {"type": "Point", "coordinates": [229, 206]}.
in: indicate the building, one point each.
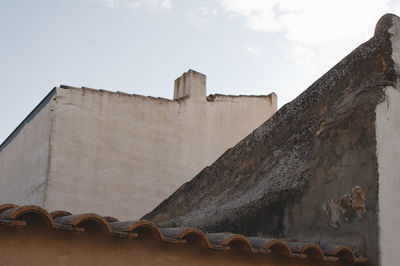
{"type": "Point", "coordinates": [323, 169]}
{"type": "Point", "coordinates": [316, 184]}
{"type": "Point", "coordinates": [120, 154]}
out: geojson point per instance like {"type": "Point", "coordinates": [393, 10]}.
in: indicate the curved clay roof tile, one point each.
{"type": "Point", "coordinates": [4, 207]}
{"type": "Point", "coordinates": [309, 249]}
{"type": "Point", "coordinates": [17, 212]}
{"type": "Point", "coordinates": [77, 219]}
{"type": "Point", "coordinates": [189, 234]}
{"type": "Point", "coordinates": [138, 227]}
{"type": "Point", "coordinates": [58, 214]}
{"type": "Point", "coordinates": [231, 240]}
{"type": "Point", "coordinates": [10, 215]}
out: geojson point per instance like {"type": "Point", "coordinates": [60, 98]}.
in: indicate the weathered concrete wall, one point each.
{"type": "Point", "coordinates": [310, 172]}
{"type": "Point", "coordinates": [24, 158]}
{"type": "Point", "coordinates": [122, 154]}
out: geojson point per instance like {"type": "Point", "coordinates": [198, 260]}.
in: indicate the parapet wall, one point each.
{"type": "Point", "coordinates": [110, 150]}
{"type": "Point", "coordinates": [86, 149]}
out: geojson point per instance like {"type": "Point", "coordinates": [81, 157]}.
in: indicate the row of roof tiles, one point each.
{"type": "Point", "coordinates": [13, 215]}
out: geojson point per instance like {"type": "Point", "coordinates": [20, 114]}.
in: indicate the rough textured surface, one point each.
{"type": "Point", "coordinates": [310, 171]}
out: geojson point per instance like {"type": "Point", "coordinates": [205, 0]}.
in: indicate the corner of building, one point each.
{"type": "Point", "coordinates": [388, 152]}
{"type": "Point", "coordinates": [59, 92]}
{"type": "Point", "coordinates": [24, 157]}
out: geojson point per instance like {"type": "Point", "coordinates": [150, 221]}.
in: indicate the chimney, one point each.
{"type": "Point", "coordinates": [191, 84]}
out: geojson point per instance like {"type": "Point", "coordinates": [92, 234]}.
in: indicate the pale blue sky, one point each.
{"type": "Point", "coordinates": [141, 46]}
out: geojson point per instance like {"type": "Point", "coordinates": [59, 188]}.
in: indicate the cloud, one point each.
{"type": "Point", "coordinates": [253, 48]}
{"type": "Point", "coordinates": [309, 21]}
{"type": "Point", "coordinates": [318, 33]}
{"type": "Point", "coordinates": [149, 4]}
{"type": "Point", "coordinates": [199, 16]}
{"type": "Point", "coordinates": [109, 3]}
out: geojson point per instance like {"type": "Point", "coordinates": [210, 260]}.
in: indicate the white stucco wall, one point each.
{"type": "Point", "coordinates": [388, 153]}
{"type": "Point", "coordinates": [24, 159]}
{"type": "Point", "coordinates": [121, 155]}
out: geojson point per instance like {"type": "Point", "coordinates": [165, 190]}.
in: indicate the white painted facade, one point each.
{"type": "Point", "coordinates": [120, 154]}
{"type": "Point", "coordinates": [24, 161]}
{"type": "Point", "coordinates": [388, 154]}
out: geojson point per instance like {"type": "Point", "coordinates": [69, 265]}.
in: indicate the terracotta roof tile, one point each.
{"type": "Point", "coordinates": [75, 221]}
{"type": "Point", "coordinates": [13, 215]}
{"type": "Point", "coordinates": [189, 235]}
{"type": "Point", "coordinates": [57, 214]}
{"type": "Point", "coordinates": [136, 228]}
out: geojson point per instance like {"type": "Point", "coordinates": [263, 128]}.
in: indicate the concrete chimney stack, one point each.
{"type": "Point", "coordinates": [191, 84]}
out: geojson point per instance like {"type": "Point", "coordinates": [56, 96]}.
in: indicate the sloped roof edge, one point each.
{"type": "Point", "coordinates": [12, 215]}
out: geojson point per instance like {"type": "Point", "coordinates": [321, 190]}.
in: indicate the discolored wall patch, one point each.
{"type": "Point", "coordinates": [348, 208]}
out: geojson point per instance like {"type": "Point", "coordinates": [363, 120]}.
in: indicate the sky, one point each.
{"type": "Point", "coordinates": [251, 47]}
